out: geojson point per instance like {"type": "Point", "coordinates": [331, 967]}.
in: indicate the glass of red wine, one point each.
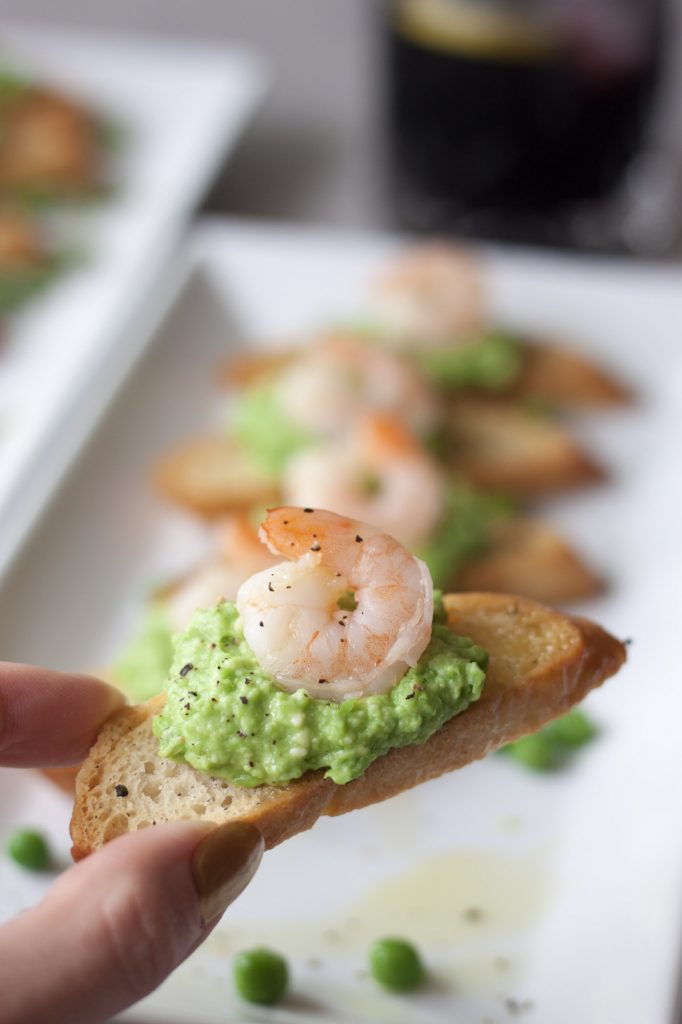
{"type": "Point", "coordinates": [525, 120]}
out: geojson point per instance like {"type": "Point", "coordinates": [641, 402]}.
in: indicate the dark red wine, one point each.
{"type": "Point", "coordinates": [506, 135]}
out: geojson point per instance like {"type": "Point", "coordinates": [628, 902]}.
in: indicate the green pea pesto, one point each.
{"type": "Point", "coordinates": [265, 429]}
{"type": "Point", "coordinates": [12, 85]}
{"type": "Point", "coordinates": [20, 284]}
{"type": "Point", "coordinates": [463, 532]}
{"type": "Point", "coordinates": [225, 716]}
{"type": "Point", "coordinates": [490, 362]}
{"type": "Point", "coordinates": [143, 667]}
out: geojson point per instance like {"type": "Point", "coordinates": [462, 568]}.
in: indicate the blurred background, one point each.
{"type": "Point", "coordinates": [545, 121]}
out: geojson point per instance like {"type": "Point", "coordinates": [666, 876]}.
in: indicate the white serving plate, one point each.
{"type": "Point", "coordinates": [180, 108]}
{"type": "Point", "coordinates": [575, 879]}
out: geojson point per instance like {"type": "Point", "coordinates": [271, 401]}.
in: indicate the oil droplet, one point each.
{"type": "Point", "coordinates": [455, 900]}
{"type": "Point", "coordinates": [444, 898]}
{"type": "Point", "coordinates": [469, 911]}
{"type": "Point", "coordinates": [512, 824]}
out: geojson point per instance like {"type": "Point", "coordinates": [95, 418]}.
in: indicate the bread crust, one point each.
{"type": "Point", "coordinates": [504, 712]}
{"type": "Point", "coordinates": [494, 444]}
{"type": "Point", "coordinates": [499, 445]}
{"type": "Point", "coordinates": [549, 373]}
{"type": "Point", "coordinates": [251, 366]}
{"type": "Point", "coordinates": [557, 375]}
{"type": "Point", "coordinates": [541, 663]}
{"type": "Point", "coordinates": [528, 557]}
{"type": "Point", "coordinates": [213, 476]}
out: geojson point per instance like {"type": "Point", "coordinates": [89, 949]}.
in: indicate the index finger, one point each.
{"type": "Point", "coordinates": [50, 718]}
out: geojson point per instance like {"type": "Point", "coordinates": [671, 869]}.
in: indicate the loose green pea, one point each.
{"type": "Point", "coordinates": [29, 848]}
{"type": "Point", "coordinates": [537, 751]}
{"type": "Point", "coordinates": [574, 729]}
{"type": "Point", "coordinates": [261, 975]}
{"type": "Point", "coordinates": [554, 746]}
{"type": "Point", "coordinates": [396, 964]}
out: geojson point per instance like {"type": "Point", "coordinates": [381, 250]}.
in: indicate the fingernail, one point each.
{"type": "Point", "coordinates": [223, 864]}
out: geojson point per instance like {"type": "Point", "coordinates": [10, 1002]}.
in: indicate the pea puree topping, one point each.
{"type": "Point", "coordinates": [225, 716]}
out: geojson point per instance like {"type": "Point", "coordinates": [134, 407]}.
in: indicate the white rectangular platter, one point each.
{"type": "Point", "coordinates": [554, 898]}
{"type": "Point", "coordinates": [179, 108]}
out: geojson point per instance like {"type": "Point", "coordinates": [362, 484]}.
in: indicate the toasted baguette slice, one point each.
{"type": "Point", "coordinates": [250, 366]}
{"type": "Point", "coordinates": [561, 377]}
{"type": "Point", "coordinates": [500, 446]}
{"type": "Point", "coordinates": [495, 445]}
{"type": "Point", "coordinates": [213, 476]}
{"type": "Point", "coordinates": [548, 373]}
{"type": "Point", "coordinates": [65, 163]}
{"type": "Point", "coordinates": [529, 558]}
{"type": "Point", "coordinates": [541, 663]}
{"type": "Point", "coordinates": [524, 557]}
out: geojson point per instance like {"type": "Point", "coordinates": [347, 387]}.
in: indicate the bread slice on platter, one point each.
{"type": "Point", "coordinates": [549, 373]}
{"type": "Point", "coordinates": [494, 444]}
{"type": "Point", "coordinates": [530, 558]}
{"type": "Point", "coordinates": [541, 663]}
{"type": "Point", "coordinates": [249, 366]}
{"type": "Point", "coordinates": [213, 476]}
{"type": "Point", "coordinates": [498, 445]}
{"type": "Point", "coordinates": [560, 377]}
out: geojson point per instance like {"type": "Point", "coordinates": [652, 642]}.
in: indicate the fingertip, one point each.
{"type": "Point", "coordinates": [223, 864]}
{"type": "Point", "coordinates": [50, 718]}
{"type": "Point", "coordinates": [111, 696]}
{"type": "Point", "coordinates": [115, 925]}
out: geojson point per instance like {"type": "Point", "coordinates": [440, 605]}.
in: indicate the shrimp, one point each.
{"type": "Point", "coordinates": [342, 378]}
{"type": "Point", "coordinates": [347, 617]}
{"type": "Point", "coordinates": [380, 474]}
{"type": "Point", "coordinates": [240, 553]}
{"type": "Point", "coordinates": [433, 294]}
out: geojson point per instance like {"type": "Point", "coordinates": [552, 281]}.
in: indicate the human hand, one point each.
{"type": "Point", "coordinates": [115, 925]}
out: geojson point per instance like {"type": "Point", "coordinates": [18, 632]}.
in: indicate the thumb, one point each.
{"type": "Point", "coordinates": [115, 925]}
